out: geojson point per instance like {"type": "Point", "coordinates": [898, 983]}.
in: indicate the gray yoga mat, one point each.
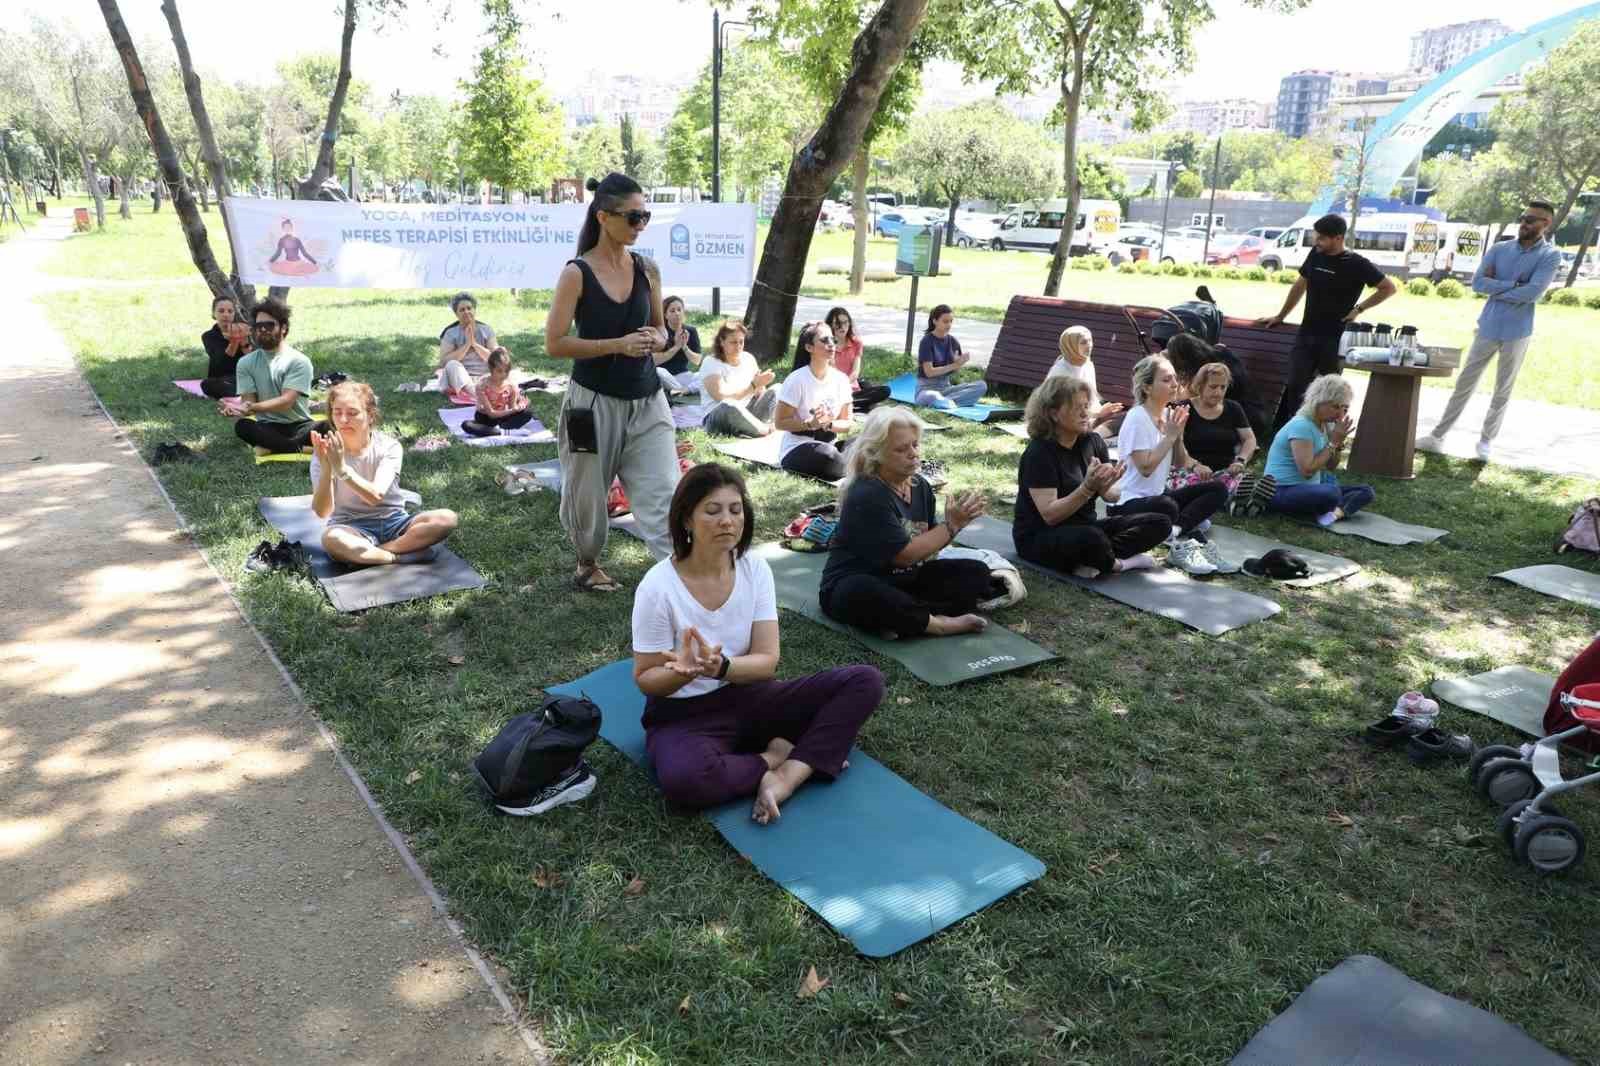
{"type": "Point", "coordinates": [1207, 606]}
{"type": "Point", "coordinates": [1513, 695]}
{"type": "Point", "coordinates": [1364, 1012]}
{"type": "Point", "coordinates": [1562, 582]}
{"type": "Point", "coordinates": [1236, 546]}
{"type": "Point", "coordinates": [356, 588]}
{"type": "Point", "coordinates": [760, 451]}
{"type": "Point", "coordinates": [936, 660]}
{"type": "Point", "coordinates": [1375, 527]}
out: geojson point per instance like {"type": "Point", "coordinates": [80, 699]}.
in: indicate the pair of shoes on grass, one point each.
{"type": "Point", "coordinates": [1412, 723]}
{"type": "Point", "coordinates": [570, 787]}
{"type": "Point", "coordinates": [1253, 494]}
{"type": "Point", "coordinates": [1199, 558]}
{"type": "Point", "coordinates": [269, 558]}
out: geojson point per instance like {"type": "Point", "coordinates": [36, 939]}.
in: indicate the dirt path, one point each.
{"type": "Point", "coordinates": [187, 875]}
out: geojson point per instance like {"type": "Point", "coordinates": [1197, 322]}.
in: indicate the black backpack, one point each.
{"type": "Point", "coordinates": [537, 748]}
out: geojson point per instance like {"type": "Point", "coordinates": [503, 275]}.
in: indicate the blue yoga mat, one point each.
{"type": "Point", "coordinates": [903, 389]}
{"type": "Point", "coordinates": [883, 864]}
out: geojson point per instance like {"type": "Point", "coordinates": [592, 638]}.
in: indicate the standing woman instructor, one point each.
{"type": "Point", "coordinates": [614, 421]}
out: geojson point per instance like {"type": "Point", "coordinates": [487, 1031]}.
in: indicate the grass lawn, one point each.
{"type": "Point", "coordinates": [1216, 834]}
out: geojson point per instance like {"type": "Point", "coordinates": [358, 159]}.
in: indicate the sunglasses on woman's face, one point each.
{"type": "Point", "coordinates": [636, 218]}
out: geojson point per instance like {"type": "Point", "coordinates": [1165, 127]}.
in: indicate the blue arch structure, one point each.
{"type": "Point", "coordinates": [1396, 141]}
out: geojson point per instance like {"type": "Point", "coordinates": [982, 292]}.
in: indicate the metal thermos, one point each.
{"type": "Point", "coordinates": [1382, 335]}
{"type": "Point", "coordinates": [1407, 343]}
{"type": "Point", "coordinates": [1347, 339]}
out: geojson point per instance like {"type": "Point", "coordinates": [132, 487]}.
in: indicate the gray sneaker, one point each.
{"type": "Point", "coordinates": [1189, 556]}
{"type": "Point", "coordinates": [1213, 555]}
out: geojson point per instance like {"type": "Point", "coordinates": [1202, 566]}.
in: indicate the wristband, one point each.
{"type": "Point", "coordinates": [722, 671]}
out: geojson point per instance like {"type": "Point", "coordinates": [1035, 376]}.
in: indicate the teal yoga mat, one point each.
{"type": "Point", "coordinates": [1513, 695]}
{"type": "Point", "coordinates": [936, 660]}
{"type": "Point", "coordinates": [1562, 582]}
{"type": "Point", "coordinates": [883, 864]}
{"type": "Point", "coordinates": [903, 389]}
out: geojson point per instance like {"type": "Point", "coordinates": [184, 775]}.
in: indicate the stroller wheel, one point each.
{"type": "Point", "coordinates": [1504, 781]}
{"type": "Point", "coordinates": [1549, 843]}
{"type": "Point", "coordinates": [1484, 754]}
{"type": "Point", "coordinates": [1506, 823]}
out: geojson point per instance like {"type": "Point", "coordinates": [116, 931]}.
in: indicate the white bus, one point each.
{"type": "Point", "coordinates": [1036, 224]}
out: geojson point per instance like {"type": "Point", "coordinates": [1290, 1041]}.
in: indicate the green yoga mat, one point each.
{"type": "Point", "coordinates": [1236, 546]}
{"type": "Point", "coordinates": [1513, 695]}
{"type": "Point", "coordinates": [883, 864]}
{"type": "Point", "coordinates": [936, 660]}
{"type": "Point", "coordinates": [1377, 528]}
{"type": "Point", "coordinates": [1207, 606]}
{"type": "Point", "coordinates": [1562, 582]}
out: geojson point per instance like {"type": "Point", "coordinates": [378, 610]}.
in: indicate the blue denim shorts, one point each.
{"type": "Point", "coordinates": [380, 529]}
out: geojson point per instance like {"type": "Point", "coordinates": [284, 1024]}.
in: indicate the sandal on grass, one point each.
{"type": "Point", "coordinates": [594, 579]}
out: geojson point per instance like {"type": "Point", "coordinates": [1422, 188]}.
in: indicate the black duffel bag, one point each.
{"type": "Point", "coordinates": [536, 749]}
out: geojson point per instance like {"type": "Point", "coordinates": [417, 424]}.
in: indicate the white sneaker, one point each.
{"type": "Point", "coordinates": [1189, 556]}
{"type": "Point", "coordinates": [1483, 451]}
{"type": "Point", "coordinates": [1430, 443]}
{"type": "Point", "coordinates": [1213, 555]}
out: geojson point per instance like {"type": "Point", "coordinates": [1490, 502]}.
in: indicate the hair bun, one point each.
{"type": "Point", "coordinates": [593, 185]}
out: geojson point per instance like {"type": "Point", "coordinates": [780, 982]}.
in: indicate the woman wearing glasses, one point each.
{"type": "Point", "coordinates": [614, 420]}
{"type": "Point", "coordinates": [847, 358]}
{"type": "Point", "coordinates": [813, 407]}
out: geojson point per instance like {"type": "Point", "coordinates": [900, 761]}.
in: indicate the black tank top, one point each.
{"type": "Point", "coordinates": [599, 317]}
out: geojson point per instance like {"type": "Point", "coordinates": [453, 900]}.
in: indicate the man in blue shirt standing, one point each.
{"type": "Point", "coordinates": [1513, 274]}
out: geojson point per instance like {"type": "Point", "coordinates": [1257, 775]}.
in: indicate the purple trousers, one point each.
{"type": "Point", "coordinates": [708, 752]}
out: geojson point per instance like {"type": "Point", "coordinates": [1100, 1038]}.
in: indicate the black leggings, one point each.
{"type": "Point", "coordinates": [482, 425]}
{"type": "Point", "coordinates": [1185, 508]}
{"type": "Point", "coordinates": [217, 388]}
{"type": "Point", "coordinates": [902, 603]}
{"type": "Point", "coordinates": [1098, 544]}
{"type": "Point", "coordinates": [814, 458]}
{"type": "Point", "coordinates": [278, 436]}
{"type": "Point", "coordinates": [868, 396]}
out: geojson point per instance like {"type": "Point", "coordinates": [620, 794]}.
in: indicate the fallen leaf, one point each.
{"type": "Point", "coordinates": [683, 1008]}
{"type": "Point", "coordinates": [1119, 711]}
{"type": "Point", "coordinates": [1341, 820]}
{"type": "Point", "coordinates": [1100, 866]}
{"type": "Point", "coordinates": [811, 984]}
{"type": "Point", "coordinates": [634, 888]}
{"type": "Point", "coordinates": [545, 878]}
{"type": "Point", "coordinates": [902, 700]}
{"type": "Point", "coordinates": [901, 999]}
{"type": "Point", "coordinates": [1272, 838]}
{"type": "Point", "coordinates": [458, 660]}
{"type": "Point", "coordinates": [413, 777]}
{"type": "Point", "coordinates": [1469, 838]}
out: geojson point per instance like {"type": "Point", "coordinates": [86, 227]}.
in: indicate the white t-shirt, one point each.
{"type": "Point", "coordinates": [380, 466]}
{"type": "Point", "coordinates": [733, 379]}
{"type": "Point", "coordinates": [804, 391]}
{"type": "Point", "coordinates": [1139, 433]}
{"type": "Point", "coordinates": [663, 607]}
{"type": "Point", "coordinates": [1062, 368]}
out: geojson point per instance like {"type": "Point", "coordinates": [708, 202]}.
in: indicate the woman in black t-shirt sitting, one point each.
{"type": "Point", "coordinates": [1063, 471]}
{"type": "Point", "coordinates": [1189, 353]}
{"type": "Point", "coordinates": [678, 365]}
{"type": "Point", "coordinates": [227, 342]}
{"type": "Point", "coordinates": [881, 574]}
{"type": "Point", "coordinates": [1217, 436]}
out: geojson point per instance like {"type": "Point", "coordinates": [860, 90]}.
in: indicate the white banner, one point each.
{"type": "Point", "coordinates": [471, 246]}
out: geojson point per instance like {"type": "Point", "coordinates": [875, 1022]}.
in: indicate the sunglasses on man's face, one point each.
{"type": "Point", "coordinates": [634, 218]}
{"type": "Point", "coordinates": [1531, 218]}
{"type": "Point", "coordinates": [268, 325]}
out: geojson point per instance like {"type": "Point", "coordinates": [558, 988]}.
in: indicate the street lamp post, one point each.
{"type": "Point", "coordinates": [717, 29]}
{"type": "Point", "coordinates": [1174, 168]}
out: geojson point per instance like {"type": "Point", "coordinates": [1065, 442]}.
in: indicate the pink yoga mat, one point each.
{"type": "Point", "coordinates": [192, 387]}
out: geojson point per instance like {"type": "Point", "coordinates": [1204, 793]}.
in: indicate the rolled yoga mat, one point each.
{"type": "Point", "coordinates": [936, 660]}
{"type": "Point", "coordinates": [883, 864]}
{"type": "Point", "coordinates": [1375, 527]}
{"type": "Point", "coordinates": [903, 389]}
{"type": "Point", "coordinates": [455, 417]}
{"type": "Point", "coordinates": [1207, 606]}
{"type": "Point", "coordinates": [279, 457]}
{"type": "Point", "coordinates": [1513, 695]}
{"type": "Point", "coordinates": [1364, 1012]}
{"type": "Point", "coordinates": [1236, 546]}
{"type": "Point", "coordinates": [1562, 582]}
{"type": "Point", "coordinates": [760, 451]}
{"type": "Point", "coordinates": [356, 588]}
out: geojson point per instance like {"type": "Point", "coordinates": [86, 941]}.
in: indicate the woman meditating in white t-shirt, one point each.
{"type": "Point", "coordinates": [815, 405]}
{"type": "Point", "coordinates": [1151, 436]}
{"type": "Point", "coordinates": [718, 725]}
{"type": "Point", "coordinates": [1077, 345]}
{"type": "Point", "coordinates": [733, 388]}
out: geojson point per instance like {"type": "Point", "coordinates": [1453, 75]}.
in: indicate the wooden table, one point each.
{"type": "Point", "coordinates": [1386, 436]}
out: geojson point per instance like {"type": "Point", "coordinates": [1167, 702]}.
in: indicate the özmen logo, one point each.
{"type": "Point", "coordinates": [680, 242]}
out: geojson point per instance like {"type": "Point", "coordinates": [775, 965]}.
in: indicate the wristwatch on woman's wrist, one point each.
{"type": "Point", "coordinates": [722, 671]}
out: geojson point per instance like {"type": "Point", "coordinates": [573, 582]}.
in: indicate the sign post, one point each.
{"type": "Point", "coordinates": [917, 254]}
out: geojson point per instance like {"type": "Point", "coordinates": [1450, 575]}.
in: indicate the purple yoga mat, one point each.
{"type": "Point", "coordinates": [532, 433]}
{"type": "Point", "coordinates": [689, 417]}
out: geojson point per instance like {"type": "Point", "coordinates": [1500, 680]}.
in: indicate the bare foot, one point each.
{"type": "Point", "coordinates": [1088, 573]}
{"type": "Point", "coordinates": [940, 625]}
{"type": "Point", "coordinates": [777, 753]}
{"type": "Point", "coordinates": [775, 789]}
{"type": "Point", "coordinates": [1142, 561]}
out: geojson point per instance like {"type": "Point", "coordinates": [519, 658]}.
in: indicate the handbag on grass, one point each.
{"type": "Point", "coordinates": [535, 749]}
{"type": "Point", "coordinates": [1583, 532]}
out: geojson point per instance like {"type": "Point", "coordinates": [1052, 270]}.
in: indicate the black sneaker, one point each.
{"type": "Point", "coordinates": [571, 787]}
{"type": "Point", "coordinates": [1431, 745]}
{"type": "Point", "coordinates": [1261, 493]}
{"type": "Point", "coordinates": [261, 560]}
{"type": "Point", "coordinates": [173, 452]}
{"type": "Point", "coordinates": [1393, 730]}
{"type": "Point", "coordinates": [290, 555]}
{"type": "Point", "coordinates": [330, 379]}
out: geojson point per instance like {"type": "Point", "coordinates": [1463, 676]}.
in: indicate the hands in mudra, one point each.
{"type": "Point", "coordinates": [694, 657]}
{"type": "Point", "coordinates": [1107, 412]}
{"type": "Point", "coordinates": [1176, 419]}
{"type": "Point", "coordinates": [640, 343]}
{"type": "Point", "coordinates": [329, 451]}
{"type": "Point", "coordinates": [1101, 476]}
{"type": "Point", "coordinates": [1340, 431]}
{"type": "Point", "coordinates": [963, 508]}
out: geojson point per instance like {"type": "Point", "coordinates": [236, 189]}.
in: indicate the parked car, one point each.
{"type": "Point", "coordinates": [976, 231]}
{"type": "Point", "coordinates": [1132, 248]}
{"type": "Point", "coordinates": [1235, 249]}
{"type": "Point", "coordinates": [889, 223]}
{"type": "Point", "coordinates": [1266, 233]}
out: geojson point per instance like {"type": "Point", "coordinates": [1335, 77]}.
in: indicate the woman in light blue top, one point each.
{"type": "Point", "coordinates": [939, 357]}
{"type": "Point", "coordinates": [1306, 451]}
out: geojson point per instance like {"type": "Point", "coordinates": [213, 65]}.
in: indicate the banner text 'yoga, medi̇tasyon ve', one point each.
{"type": "Point", "coordinates": [493, 246]}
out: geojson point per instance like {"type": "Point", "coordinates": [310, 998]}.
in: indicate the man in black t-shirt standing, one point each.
{"type": "Point", "coordinates": [1332, 280]}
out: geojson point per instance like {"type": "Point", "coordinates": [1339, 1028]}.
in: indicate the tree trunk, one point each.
{"type": "Point", "coordinates": [1070, 100]}
{"type": "Point", "coordinates": [91, 178]}
{"type": "Point", "coordinates": [858, 211]}
{"type": "Point", "coordinates": [1590, 232]}
{"type": "Point", "coordinates": [126, 209]}
{"type": "Point", "coordinates": [194, 229]}
{"type": "Point", "coordinates": [323, 168]}
{"type": "Point", "coordinates": [875, 56]}
{"type": "Point", "coordinates": [950, 222]}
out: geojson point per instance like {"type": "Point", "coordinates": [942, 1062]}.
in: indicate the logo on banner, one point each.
{"type": "Point", "coordinates": [291, 257]}
{"type": "Point", "coordinates": [680, 242]}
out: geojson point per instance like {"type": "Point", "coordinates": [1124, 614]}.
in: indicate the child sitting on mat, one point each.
{"type": "Point", "coordinates": [501, 405]}
{"type": "Point", "coordinates": [718, 725]}
{"type": "Point", "coordinates": [355, 486]}
{"type": "Point", "coordinates": [1077, 345]}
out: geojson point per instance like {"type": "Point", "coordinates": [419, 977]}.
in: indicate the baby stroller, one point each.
{"type": "Point", "coordinates": [1199, 316]}
{"type": "Point", "coordinates": [1525, 780]}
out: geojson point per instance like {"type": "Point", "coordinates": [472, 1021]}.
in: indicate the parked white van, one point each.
{"type": "Point", "coordinates": [1388, 239]}
{"type": "Point", "coordinates": [1036, 224]}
